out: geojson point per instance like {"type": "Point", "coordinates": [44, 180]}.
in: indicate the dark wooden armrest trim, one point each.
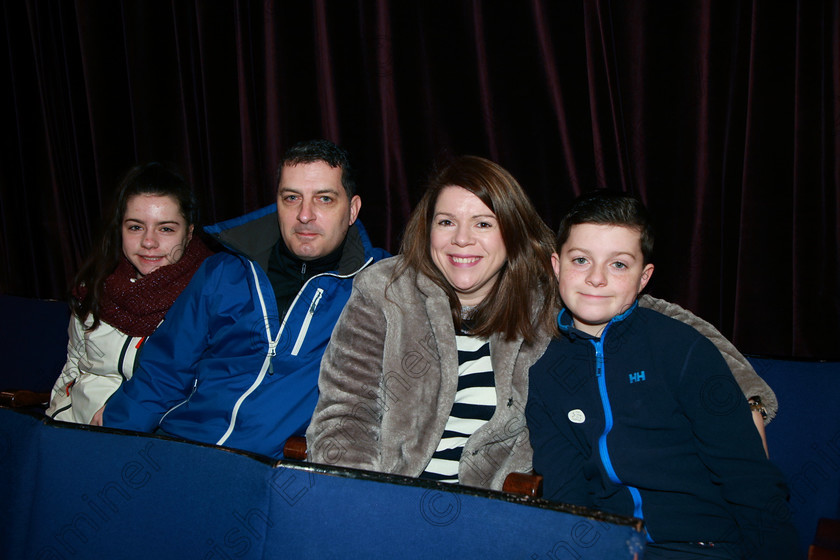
{"type": "Point", "coordinates": [826, 544]}
{"type": "Point", "coordinates": [524, 484]}
{"type": "Point", "coordinates": [23, 399]}
{"type": "Point", "coordinates": [295, 448]}
{"type": "Point", "coordinates": [819, 553]}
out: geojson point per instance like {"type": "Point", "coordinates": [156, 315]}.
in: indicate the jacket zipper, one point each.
{"type": "Point", "coordinates": [312, 306]}
{"type": "Point", "coordinates": [305, 327]}
{"type": "Point", "coordinates": [606, 461]}
{"type": "Point", "coordinates": [268, 366]}
{"type": "Point", "coordinates": [267, 362]}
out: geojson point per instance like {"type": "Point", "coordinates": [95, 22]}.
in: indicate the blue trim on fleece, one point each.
{"type": "Point", "coordinates": [566, 324]}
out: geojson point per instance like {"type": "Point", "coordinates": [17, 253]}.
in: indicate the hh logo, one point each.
{"type": "Point", "coordinates": [638, 376]}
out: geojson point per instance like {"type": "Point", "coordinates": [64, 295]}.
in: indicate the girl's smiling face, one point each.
{"type": "Point", "coordinates": [154, 232]}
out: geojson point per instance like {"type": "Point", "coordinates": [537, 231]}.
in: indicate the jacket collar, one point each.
{"type": "Point", "coordinates": [255, 234]}
{"type": "Point", "coordinates": [567, 327]}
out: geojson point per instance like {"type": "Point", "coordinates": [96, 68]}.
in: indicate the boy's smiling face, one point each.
{"type": "Point", "coordinates": [601, 271]}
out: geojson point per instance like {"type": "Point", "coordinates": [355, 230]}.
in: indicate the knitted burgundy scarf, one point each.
{"type": "Point", "coordinates": [136, 306]}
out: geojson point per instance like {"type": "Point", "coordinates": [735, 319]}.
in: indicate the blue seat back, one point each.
{"type": "Point", "coordinates": [33, 342]}
{"type": "Point", "coordinates": [804, 438]}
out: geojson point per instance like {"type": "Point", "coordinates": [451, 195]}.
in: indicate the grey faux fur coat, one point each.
{"type": "Point", "coordinates": [390, 373]}
{"type": "Point", "coordinates": [388, 381]}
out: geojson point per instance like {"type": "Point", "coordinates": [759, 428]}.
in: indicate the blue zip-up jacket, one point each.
{"type": "Point", "coordinates": [224, 368]}
{"type": "Point", "coordinates": [648, 421]}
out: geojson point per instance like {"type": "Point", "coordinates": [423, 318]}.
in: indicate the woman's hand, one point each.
{"type": "Point", "coordinates": [97, 417]}
{"type": "Point", "coordinates": [758, 420]}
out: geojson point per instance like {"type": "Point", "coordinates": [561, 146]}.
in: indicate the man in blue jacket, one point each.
{"type": "Point", "coordinates": [236, 361]}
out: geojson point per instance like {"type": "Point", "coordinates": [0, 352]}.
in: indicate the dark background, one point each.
{"type": "Point", "coordinates": [723, 115]}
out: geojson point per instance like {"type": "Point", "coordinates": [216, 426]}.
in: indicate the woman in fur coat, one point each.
{"type": "Point", "coordinates": [426, 374]}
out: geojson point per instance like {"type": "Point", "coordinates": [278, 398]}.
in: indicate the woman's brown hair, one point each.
{"type": "Point", "coordinates": [524, 300]}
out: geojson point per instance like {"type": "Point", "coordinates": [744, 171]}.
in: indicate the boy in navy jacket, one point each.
{"type": "Point", "coordinates": [635, 413]}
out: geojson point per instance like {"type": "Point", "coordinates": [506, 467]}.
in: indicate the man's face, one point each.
{"type": "Point", "coordinates": [313, 209]}
{"type": "Point", "coordinates": [601, 270]}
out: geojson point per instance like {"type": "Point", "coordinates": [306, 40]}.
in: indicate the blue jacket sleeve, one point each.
{"type": "Point", "coordinates": [731, 449]}
{"type": "Point", "coordinates": [166, 373]}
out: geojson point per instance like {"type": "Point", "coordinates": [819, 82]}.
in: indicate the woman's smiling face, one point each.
{"type": "Point", "coordinates": [466, 244]}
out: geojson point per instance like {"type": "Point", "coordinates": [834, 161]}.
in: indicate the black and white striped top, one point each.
{"type": "Point", "coordinates": [475, 402]}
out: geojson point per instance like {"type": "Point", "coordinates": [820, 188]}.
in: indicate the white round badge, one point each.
{"type": "Point", "coordinates": [577, 416]}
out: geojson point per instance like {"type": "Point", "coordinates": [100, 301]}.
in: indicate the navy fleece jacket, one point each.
{"type": "Point", "coordinates": [648, 421]}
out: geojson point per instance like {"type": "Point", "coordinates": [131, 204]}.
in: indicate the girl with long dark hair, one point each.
{"type": "Point", "coordinates": [144, 258]}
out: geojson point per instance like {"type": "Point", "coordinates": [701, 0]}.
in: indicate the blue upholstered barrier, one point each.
{"type": "Point", "coordinates": [77, 492]}
{"type": "Point", "coordinates": [804, 438]}
{"type": "Point", "coordinates": [67, 489]}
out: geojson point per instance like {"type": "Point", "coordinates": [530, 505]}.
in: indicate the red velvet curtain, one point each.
{"type": "Point", "coordinates": [723, 115]}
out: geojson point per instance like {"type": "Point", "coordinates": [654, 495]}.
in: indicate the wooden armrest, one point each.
{"type": "Point", "coordinates": [819, 553]}
{"type": "Point", "coordinates": [826, 545]}
{"type": "Point", "coordinates": [23, 399]}
{"type": "Point", "coordinates": [295, 448]}
{"type": "Point", "coordinates": [524, 484]}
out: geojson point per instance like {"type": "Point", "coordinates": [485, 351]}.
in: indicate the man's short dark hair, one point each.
{"type": "Point", "coordinates": [310, 151]}
{"type": "Point", "coordinates": [609, 208]}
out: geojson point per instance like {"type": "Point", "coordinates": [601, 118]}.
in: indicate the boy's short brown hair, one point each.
{"type": "Point", "coordinates": [609, 208]}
